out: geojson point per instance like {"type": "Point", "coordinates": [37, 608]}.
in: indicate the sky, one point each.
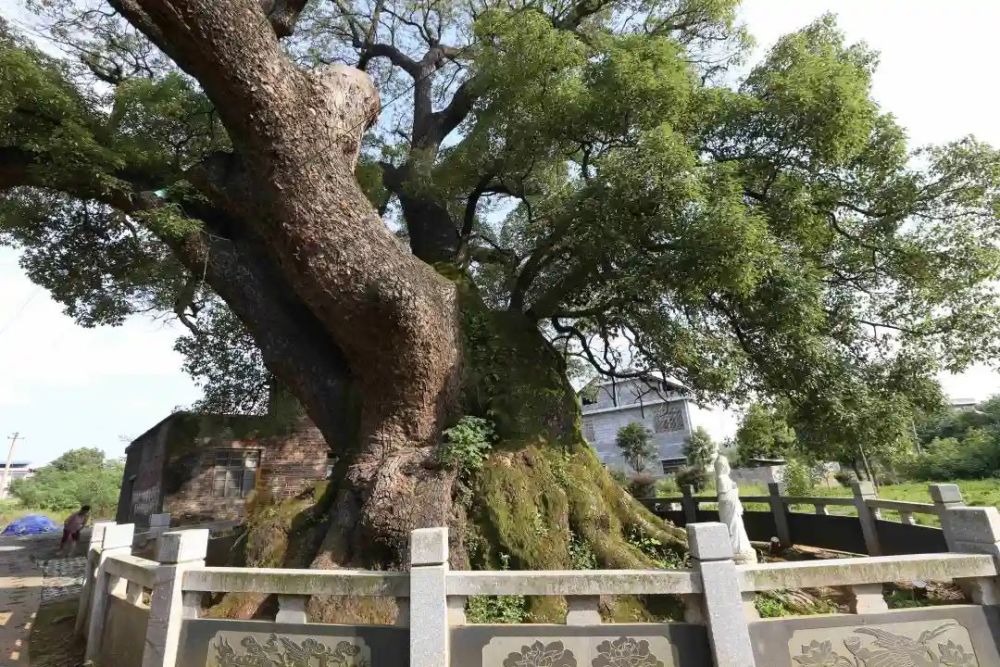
{"type": "Point", "coordinates": [62, 386]}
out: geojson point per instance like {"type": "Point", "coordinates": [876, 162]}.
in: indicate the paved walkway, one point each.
{"type": "Point", "coordinates": [20, 593]}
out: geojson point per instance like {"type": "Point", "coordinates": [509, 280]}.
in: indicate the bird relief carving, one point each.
{"type": "Point", "coordinates": [938, 646]}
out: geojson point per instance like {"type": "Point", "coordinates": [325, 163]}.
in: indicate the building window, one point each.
{"type": "Point", "coordinates": [588, 431]}
{"type": "Point", "coordinates": [670, 418]}
{"type": "Point", "coordinates": [672, 465]}
{"type": "Point", "coordinates": [235, 472]}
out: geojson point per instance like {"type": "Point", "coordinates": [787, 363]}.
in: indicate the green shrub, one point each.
{"type": "Point", "coordinates": [798, 479]}
{"type": "Point", "coordinates": [497, 608]}
{"type": "Point", "coordinates": [642, 485]}
{"type": "Point", "coordinates": [581, 555]}
{"type": "Point", "coordinates": [636, 444]}
{"type": "Point", "coordinates": [667, 487]}
{"type": "Point", "coordinates": [695, 476]}
{"type": "Point", "coordinates": [975, 457]}
{"type": "Point", "coordinates": [78, 477]}
{"type": "Point", "coordinates": [467, 444]}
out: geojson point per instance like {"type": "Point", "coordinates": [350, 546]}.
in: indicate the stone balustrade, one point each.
{"type": "Point", "coordinates": [720, 627]}
{"type": "Point", "coordinates": [860, 523]}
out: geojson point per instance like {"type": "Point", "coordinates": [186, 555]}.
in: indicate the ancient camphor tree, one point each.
{"type": "Point", "coordinates": [545, 181]}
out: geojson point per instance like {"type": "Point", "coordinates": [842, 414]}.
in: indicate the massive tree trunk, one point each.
{"type": "Point", "coordinates": [342, 310]}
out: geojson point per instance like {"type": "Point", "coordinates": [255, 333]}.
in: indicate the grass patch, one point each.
{"type": "Point", "coordinates": [52, 642]}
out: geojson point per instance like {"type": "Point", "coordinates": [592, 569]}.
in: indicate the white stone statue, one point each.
{"type": "Point", "coordinates": [731, 512]}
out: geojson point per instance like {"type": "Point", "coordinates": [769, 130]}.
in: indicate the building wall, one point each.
{"type": "Point", "coordinates": [289, 465]}
{"type": "Point", "coordinates": [141, 492]}
{"type": "Point", "coordinates": [601, 429]}
{"type": "Point", "coordinates": [174, 465]}
{"type": "Point", "coordinates": [609, 407]}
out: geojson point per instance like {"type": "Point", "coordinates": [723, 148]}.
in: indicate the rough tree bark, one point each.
{"type": "Point", "coordinates": [340, 308]}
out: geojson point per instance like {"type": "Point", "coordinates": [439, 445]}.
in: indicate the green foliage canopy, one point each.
{"type": "Point", "coordinates": [602, 174]}
{"type": "Point", "coordinates": [764, 434]}
{"type": "Point", "coordinates": [78, 477]}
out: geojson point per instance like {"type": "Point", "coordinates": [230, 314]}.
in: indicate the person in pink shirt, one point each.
{"type": "Point", "coordinates": [72, 527]}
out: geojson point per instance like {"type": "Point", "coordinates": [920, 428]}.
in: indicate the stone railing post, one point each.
{"type": "Point", "coordinates": [116, 539]}
{"type": "Point", "coordinates": [728, 630]}
{"type": "Point", "coordinates": [975, 530]}
{"type": "Point", "coordinates": [946, 497]}
{"type": "Point", "coordinates": [93, 555]}
{"type": "Point", "coordinates": [158, 524]}
{"type": "Point", "coordinates": [864, 491]}
{"type": "Point", "coordinates": [689, 504]}
{"type": "Point", "coordinates": [780, 512]}
{"type": "Point", "coordinates": [429, 631]}
{"type": "Point", "coordinates": [176, 552]}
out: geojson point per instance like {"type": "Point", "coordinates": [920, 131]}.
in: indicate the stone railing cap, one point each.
{"type": "Point", "coordinates": [709, 541]}
{"type": "Point", "coordinates": [182, 546]}
{"type": "Point", "coordinates": [429, 546]}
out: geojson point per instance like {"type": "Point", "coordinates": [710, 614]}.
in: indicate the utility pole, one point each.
{"type": "Point", "coordinates": [10, 459]}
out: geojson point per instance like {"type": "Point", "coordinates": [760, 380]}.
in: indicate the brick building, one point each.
{"type": "Point", "coordinates": [206, 467]}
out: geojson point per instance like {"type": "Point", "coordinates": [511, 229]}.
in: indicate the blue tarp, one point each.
{"type": "Point", "coordinates": [32, 524]}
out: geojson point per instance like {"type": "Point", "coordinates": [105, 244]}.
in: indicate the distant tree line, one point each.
{"type": "Point", "coordinates": [78, 477]}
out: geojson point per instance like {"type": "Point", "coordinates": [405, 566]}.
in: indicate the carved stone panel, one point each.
{"type": "Point", "coordinates": [947, 636]}
{"type": "Point", "coordinates": [237, 649]}
{"type": "Point", "coordinates": [219, 643]}
{"type": "Point", "coordinates": [668, 645]}
{"type": "Point", "coordinates": [916, 643]}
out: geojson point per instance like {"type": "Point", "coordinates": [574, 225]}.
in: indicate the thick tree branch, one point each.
{"type": "Point", "coordinates": [283, 14]}
{"type": "Point", "coordinates": [294, 345]}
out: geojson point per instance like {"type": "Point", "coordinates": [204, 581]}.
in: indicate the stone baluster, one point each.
{"type": "Point", "coordinates": [176, 552]}
{"type": "Point", "coordinates": [429, 613]}
{"type": "Point", "coordinates": [907, 518]}
{"type": "Point", "coordinates": [821, 509]}
{"type": "Point", "coordinates": [583, 610]}
{"type": "Point", "coordinates": [292, 609]}
{"type": "Point", "coordinates": [728, 630]}
{"type": "Point", "coordinates": [868, 599]}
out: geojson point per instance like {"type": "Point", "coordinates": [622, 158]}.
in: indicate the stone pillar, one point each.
{"type": "Point", "coordinates": [93, 556]}
{"type": "Point", "coordinates": [945, 497]}
{"type": "Point", "coordinates": [728, 630]}
{"type": "Point", "coordinates": [177, 552]}
{"type": "Point", "coordinates": [974, 530]}
{"type": "Point", "coordinates": [429, 630]}
{"type": "Point", "coordinates": [689, 505]}
{"type": "Point", "coordinates": [116, 539]}
{"type": "Point", "coordinates": [864, 491]}
{"type": "Point", "coordinates": [158, 524]}
{"type": "Point", "coordinates": [780, 512]}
